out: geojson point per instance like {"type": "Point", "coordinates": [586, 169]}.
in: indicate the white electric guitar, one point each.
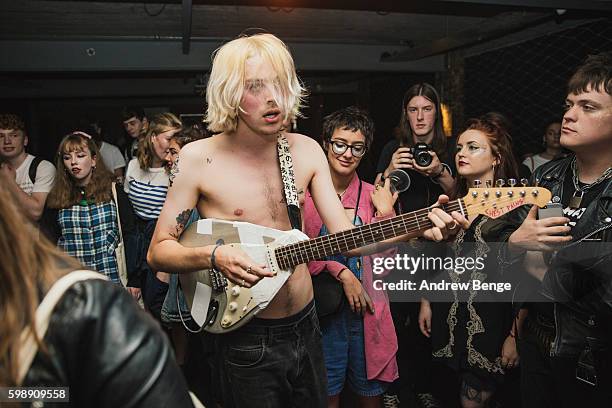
{"type": "Point", "coordinates": [231, 306]}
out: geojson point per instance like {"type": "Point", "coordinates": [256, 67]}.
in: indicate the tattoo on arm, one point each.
{"type": "Point", "coordinates": [173, 171]}
{"type": "Point", "coordinates": [181, 221]}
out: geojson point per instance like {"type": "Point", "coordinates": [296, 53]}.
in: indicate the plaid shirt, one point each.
{"type": "Point", "coordinates": [91, 234]}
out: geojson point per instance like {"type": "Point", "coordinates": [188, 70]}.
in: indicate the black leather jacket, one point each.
{"type": "Point", "coordinates": [108, 352]}
{"type": "Point", "coordinates": [579, 278]}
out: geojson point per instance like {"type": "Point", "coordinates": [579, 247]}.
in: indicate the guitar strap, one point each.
{"type": "Point", "coordinates": [288, 176]}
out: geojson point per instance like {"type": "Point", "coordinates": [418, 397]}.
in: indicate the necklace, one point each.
{"type": "Point", "coordinates": [342, 194]}
{"type": "Point", "coordinates": [84, 202]}
{"type": "Point", "coordinates": [576, 199]}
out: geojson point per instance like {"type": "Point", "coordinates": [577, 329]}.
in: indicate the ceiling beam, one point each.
{"type": "Point", "coordinates": [495, 27]}
{"type": "Point", "coordinates": [454, 7]}
{"type": "Point", "coordinates": [162, 56]}
{"type": "Point", "coordinates": [591, 5]}
{"type": "Point", "coordinates": [380, 6]}
{"type": "Point", "coordinates": [186, 22]}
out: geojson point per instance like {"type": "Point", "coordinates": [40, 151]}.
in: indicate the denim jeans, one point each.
{"type": "Point", "coordinates": [175, 309]}
{"type": "Point", "coordinates": [274, 363]}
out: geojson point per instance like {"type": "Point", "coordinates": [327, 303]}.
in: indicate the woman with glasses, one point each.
{"type": "Point", "coordinates": [359, 342]}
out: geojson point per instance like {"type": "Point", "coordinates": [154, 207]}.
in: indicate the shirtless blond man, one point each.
{"type": "Point", "coordinates": [276, 359]}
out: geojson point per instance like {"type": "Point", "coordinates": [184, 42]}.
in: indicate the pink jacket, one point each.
{"type": "Point", "coordinates": [379, 332]}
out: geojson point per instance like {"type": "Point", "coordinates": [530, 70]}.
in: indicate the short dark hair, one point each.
{"type": "Point", "coordinates": [594, 73]}
{"type": "Point", "coordinates": [11, 121]}
{"type": "Point", "coordinates": [351, 118]}
{"type": "Point", "coordinates": [129, 112]}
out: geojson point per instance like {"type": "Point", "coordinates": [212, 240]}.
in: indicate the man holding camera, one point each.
{"type": "Point", "coordinates": [421, 149]}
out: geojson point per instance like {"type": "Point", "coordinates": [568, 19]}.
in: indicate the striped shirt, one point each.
{"type": "Point", "coordinates": [146, 189]}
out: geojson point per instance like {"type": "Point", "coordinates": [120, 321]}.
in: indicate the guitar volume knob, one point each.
{"type": "Point", "coordinates": [235, 290]}
{"type": "Point", "coordinates": [232, 306]}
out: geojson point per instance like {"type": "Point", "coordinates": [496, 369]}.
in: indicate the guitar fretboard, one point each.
{"type": "Point", "coordinates": [321, 247]}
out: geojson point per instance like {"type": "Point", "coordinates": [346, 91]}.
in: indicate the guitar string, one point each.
{"type": "Point", "coordinates": [375, 230]}
{"type": "Point", "coordinates": [383, 227]}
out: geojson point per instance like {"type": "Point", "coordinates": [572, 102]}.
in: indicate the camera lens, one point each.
{"type": "Point", "coordinates": [421, 154]}
{"type": "Point", "coordinates": [423, 159]}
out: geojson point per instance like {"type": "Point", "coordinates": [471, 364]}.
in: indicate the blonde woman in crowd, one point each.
{"type": "Point", "coordinates": [146, 182]}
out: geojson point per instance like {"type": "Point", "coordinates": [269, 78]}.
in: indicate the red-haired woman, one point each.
{"type": "Point", "coordinates": [473, 334]}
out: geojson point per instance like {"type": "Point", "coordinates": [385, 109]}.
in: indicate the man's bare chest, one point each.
{"type": "Point", "coordinates": [246, 192]}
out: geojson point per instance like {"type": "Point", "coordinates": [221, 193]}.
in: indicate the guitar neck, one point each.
{"type": "Point", "coordinates": [322, 247]}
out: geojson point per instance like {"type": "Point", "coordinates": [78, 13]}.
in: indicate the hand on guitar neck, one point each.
{"type": "Point", "coordinates": [444, 226]}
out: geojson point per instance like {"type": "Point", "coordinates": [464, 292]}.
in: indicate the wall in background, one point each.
{"type": "Point", "coordinates": [527, 81]}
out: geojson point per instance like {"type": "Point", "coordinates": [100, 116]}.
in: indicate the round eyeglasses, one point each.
{"type": "Point", "coordinates": [339, 147]}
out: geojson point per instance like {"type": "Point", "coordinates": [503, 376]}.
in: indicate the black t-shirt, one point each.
{"type": "Point", "coordinates": [423, 191]}
{"type": "Point", "coordinates": [574, 214]}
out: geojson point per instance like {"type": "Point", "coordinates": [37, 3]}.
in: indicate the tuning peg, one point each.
{"type": "Point", "coordinates": [489, 183]}
{"type": "Point", "coordinates": [477, 183]}
{"type": "Point", "coordinates": [534, 192]}
{"type": "Point", "coordinates": [512, 182]}
{"type": "Point", "coordinates": [524, 182]}
{"type": "Point", "coordinates": [537, 182]}
{"type": "Point", "coordinates": [500, 182]}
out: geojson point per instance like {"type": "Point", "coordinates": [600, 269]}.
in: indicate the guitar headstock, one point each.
{"type": "Point", "coordinates": [495, 201]}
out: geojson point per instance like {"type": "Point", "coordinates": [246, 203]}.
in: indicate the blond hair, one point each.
{"type": "Point", "coordinates": [227, 80]}
{"type": "Point", "coordinates": [30, 265]}
{"type": "Point", "coordinates": [159, 123]}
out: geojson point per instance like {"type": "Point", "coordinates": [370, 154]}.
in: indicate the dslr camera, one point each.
{"type": "Point", "coordinates": [421, 154]}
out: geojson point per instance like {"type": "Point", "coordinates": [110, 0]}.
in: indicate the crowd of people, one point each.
{"type": "Point", "coordinates": [128, 339]}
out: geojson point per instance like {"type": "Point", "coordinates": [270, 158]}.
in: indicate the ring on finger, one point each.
{"type": "Point", "coordinates": [453, 226]}
{"type": "Point", "coordinates": [249, 269]}
{"type": "Point", "coordinates": [242, 283]}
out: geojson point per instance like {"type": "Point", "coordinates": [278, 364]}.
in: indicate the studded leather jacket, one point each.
{"type": "Point", "coordinates": [579, 277]}
{"type": "Point", "coordinates": [108, 352]}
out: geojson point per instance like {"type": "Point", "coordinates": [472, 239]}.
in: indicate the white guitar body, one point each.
{"type": "Point", "coordinates": [229, 309]}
